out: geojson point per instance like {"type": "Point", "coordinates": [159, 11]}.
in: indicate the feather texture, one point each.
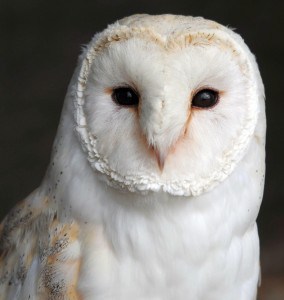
{"type": "Point", "coordinates": [110, 221]}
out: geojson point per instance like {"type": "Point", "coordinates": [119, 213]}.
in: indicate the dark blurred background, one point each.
{"type": "Point", "coordinates": [39, 45]}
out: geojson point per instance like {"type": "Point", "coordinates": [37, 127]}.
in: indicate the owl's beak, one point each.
{"type": "Point", "coordinates": [161, 158]}
{"type": "Point", "coordinates": [163, 151]}
{"type": "Point", "coordinates": [162, 127]}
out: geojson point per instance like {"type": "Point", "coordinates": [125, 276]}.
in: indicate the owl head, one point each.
{"type": "Point", "coordinates": [165, 103]}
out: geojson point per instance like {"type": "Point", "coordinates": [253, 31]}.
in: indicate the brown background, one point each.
{"type": "Point", "coordinates": [39, 45]}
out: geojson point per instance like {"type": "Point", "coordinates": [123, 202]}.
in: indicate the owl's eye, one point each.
{"type": "Point", "coordinates": [205, 98]}
{"type": "Point", "coordinates": [125, 96]}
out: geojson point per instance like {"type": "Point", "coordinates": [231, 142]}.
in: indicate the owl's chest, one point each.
{"type": "Point", "coordinates": [176, 269]}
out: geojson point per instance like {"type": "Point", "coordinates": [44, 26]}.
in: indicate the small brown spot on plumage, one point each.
{"type": "Point", "coordinates": [55, 265]}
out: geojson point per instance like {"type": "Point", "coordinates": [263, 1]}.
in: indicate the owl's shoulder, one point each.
{"type": "Point", "coordinates": [37, 250]}
{"type": "Point", "coordinates": [19, 222]}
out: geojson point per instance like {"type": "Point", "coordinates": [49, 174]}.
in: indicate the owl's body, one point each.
{"type": "Point", "coordinates": [156, 200]}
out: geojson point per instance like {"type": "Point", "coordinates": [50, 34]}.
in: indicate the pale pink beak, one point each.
{"type": "Point", "coordinates": [161, 158]}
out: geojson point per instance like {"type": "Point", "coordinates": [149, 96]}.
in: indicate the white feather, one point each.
{"type": "Point", "coordinates": [131, 228]}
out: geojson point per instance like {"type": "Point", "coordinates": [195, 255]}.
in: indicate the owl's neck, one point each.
{"type": "Point", "coordinates": [132, 223]}
{"type": "Point", "coordinates": [157, 225]}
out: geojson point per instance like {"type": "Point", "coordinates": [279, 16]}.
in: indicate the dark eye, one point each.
{"type": "Point", "coordinates": [125, 96]}
{"type": "Point", "coordinates": [205, 98]}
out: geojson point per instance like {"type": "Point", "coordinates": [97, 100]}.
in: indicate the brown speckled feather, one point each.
{"type": "Point", "coordinates": [33, 235]}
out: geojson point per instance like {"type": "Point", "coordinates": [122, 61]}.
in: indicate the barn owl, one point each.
{"type": "Point", "coordinates": [156, 175]}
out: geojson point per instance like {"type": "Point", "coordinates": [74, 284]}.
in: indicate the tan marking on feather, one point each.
{"type": "Point", "coordinates": [173, 42]}
{"type": "Point", "coordinates": [54, 279]}
{"type": "Point", "coordinates": [21, 228]}
{"type": "Point", "coordinates": [72, 291]}
{"type": "Point", "coordinates": [108, 91]}
{"type": "Point", "coordinates": [177, 41]}
{"type": "Point", "coordinates": [18, 242]}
